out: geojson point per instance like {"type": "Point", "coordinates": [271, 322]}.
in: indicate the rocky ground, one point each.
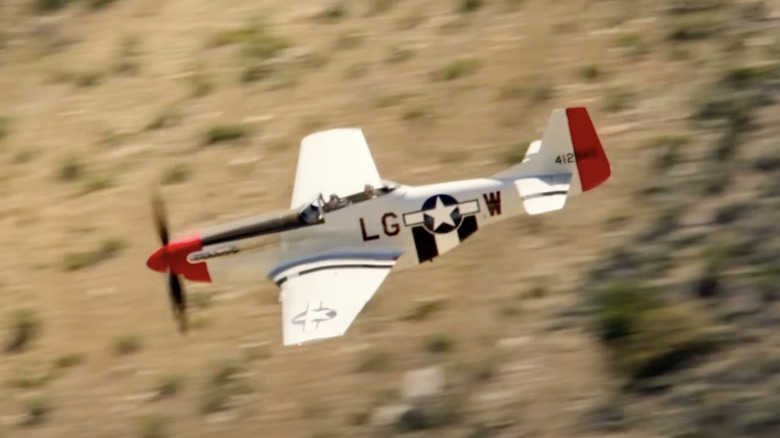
{"type": "Point", "coordinates": [645, 309]}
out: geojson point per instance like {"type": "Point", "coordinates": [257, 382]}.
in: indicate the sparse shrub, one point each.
{"type": "Point", "coordinates": [255, 71]}
{"type": "Point", "coordinates": [100, 4]}
{"type": "Point", "coordinates": [466, 6]}
{"type": "Point", "coordinates": [666, 150]}
{"type": "Point", "coordinates": [541, 91]}
{"type": "Point", "coordinates": [690, 6]}
{"type": "Point", "coordinates": [417, 113]}
{"type": "Point", "coordinates": [225, 133]}
{"type": "Point", "coordinates": [71, 169]}
{"type": "Point", "coordinates": [457, 69]}
{"type": "Point", "coordinates": [201, 83]}
{"type": "Point", "coordinates": [88, 79]}
{"type": "Point", "coordinates": [411, 20]}
{"type": "Point", "coordinates": [49, 5]}
{"type": "Point", "coordinates": [36, 411]}
{"type": "Point", "coordinates": [167, 118]}
{"type": "Point", "coordinates": [350, 40]}
{"type": "Point", "coordinates": [694, 27]}
{"type": "Point", "coordinates": [483, 369]}
{"type": "Point", "coordinates": [514, 89]}
{"type": "Point", "coordinates": [127, 64]}
{"type": "Point", "coordinates": [632, 44]}
{"type": "Point", "coordinates": [25, 328]}
{"type": "Point", "coordinates": [619, 99]}
{"type": "Point", "coordinates": [80, 260]}
{"type": "Point", "coordinates": [201, 300]}
{"type": "Point", "coordinates": [154, 426]}
{"type": "Point", "coordinates": [169, 385]}
{"type": "Point", "coordinates": [619, 308]}
{"type": "Point", "coordinates": [333, 12]}
{"type": "Point", "coordinates": [97, 183]}
{"type": "Point", "coordinates": [399, 53]}
{"type": "Point", "coordinates": [360, 418]}
{"type": "Point", "coordinates": [257, 351]}
{"type": "Point", "coordinates": [127, 344]}
{"type": "Point", "coordinates": [590, 72]}
{"type": "Point", "coordinates": [176, 174]}
{"type": "Point", "coordinates": [356, 70]}
{"type": "Point", "coordinates": [259, 45]}
{"type": "Point", "coordinates": [223, 386]}
{"type": "Point", "coordinates": [264, 45]}
{"type": "Point", "coordinates": [425, 308]}
{"type": "Point", "coordinates": [439, 344]}
{"type": "Point", "coordinates": [314, 409]}
{"type": "Point", "coordinates": [30, 377]}
{"type": "Point", "coordinates": [69, 360]}
{"type": "Point", "coordinates": [648, 337]}
{"type": "Point", "coordinates": [381, 6]}
{"type": "Point", "coordinates": [373, 361]}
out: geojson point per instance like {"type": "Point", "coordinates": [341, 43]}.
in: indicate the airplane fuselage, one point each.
{"type": "Point", "coordinates": [422, 222]}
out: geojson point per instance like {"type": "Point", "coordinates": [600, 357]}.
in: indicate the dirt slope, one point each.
{"type": "Point", "coordinates": [102, 103]}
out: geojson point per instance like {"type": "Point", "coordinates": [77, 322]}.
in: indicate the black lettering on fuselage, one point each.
{"type": "Point", "coordinates": [390, 229]}
{"type": "Point", "coordinates": [366, 237]}
{"type": "Point", "coordinates": [493, 201]}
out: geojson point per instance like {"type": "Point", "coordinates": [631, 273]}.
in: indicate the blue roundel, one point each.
{"type": "Point", "coordinates": [441, 214]}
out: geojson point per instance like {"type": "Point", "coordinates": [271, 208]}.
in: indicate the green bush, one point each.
{"type": "Point", "coordinates": [154, 426]}
{"type": "Point", "coordinates": [127, 344]}
{"type": "Point", "coordinates": [49, 5]}
{"type": "Point", "coordinates": [225, 133]}
{"type": "Point", "coordinates": [25, 328]}
{"type": "Point", "coordinates": [457, 69]}
{"type": "Point", "coordinates": [169, 385]}
{"type": "Point", "coordinates": [648, 337]}
{"type": "Point", "coordinates": [466, 6]}
{"type": "Point", "coordinates": [694, 27]}
{"type": "Point", "coordinates": [224, 384]}
{"type": "Point", "coordinates": [37, 411]}
{"type": "Point", "coordinates": [373, 361]}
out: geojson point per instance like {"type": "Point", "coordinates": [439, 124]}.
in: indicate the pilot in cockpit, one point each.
{"type": "Point", "coordinates": [333, 202]}
{"type": "Point", "coordinates": [369, 191]}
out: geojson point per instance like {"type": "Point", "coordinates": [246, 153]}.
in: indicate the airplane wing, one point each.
{"type": "Point", "coordinates": [322, 294]}
{"type": "Point", "coordinates": [335, 161]}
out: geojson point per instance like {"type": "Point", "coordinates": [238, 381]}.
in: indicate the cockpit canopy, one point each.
{"type": "Point", "coordinates": [314, 210]}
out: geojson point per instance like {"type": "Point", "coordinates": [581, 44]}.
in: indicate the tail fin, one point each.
{"type": "Point", "coordinates": [568, 160]}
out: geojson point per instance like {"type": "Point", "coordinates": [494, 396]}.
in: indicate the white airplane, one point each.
{"type": "Point", "coordinates": [347, 227]}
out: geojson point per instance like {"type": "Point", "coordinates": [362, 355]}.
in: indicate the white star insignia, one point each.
{"type": "Point", "coordinates": [441, 214]}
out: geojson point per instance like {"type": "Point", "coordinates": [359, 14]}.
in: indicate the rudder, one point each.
{"type": "Point", "coordinates": [569, 145]}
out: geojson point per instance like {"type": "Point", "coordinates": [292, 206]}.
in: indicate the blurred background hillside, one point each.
{"type": "Point", "coordinates": [647, 308]}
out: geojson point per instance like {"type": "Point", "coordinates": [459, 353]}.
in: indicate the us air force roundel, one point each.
{"type": "Point", "coordinates": [442, 224]}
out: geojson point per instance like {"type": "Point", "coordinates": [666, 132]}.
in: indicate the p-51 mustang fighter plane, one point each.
{"type": "Point", "coordinates": [347, 228]}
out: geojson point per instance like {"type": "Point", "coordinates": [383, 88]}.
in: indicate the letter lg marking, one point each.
{"type": "Point", "coordinates": [493, 201]}
{"type": "Point", "coordinates": [366, 237]}
{"type": "Point", "coordinates": [390, 229]}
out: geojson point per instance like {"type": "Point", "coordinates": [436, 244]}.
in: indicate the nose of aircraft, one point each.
{"type": "Point", "coordinates": [173, 257]}
{"type": "Point", "coordinates": [158, 261]}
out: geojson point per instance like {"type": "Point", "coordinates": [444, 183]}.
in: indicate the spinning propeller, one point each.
{"type": "Point", "coordinates": [175, 291]}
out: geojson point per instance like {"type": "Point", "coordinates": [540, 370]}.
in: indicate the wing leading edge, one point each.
{"type": "Point", "coordinates": [335, 161]}
{"type": "Point", "coordinates": [322, 295]}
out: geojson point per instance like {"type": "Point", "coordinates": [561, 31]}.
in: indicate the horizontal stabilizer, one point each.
{"type": "Point", "coordinates": [544, 193]}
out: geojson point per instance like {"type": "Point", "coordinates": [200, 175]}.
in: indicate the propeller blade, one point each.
{"type": "Point", "coordinates": [178, 301]}
{"type": "Point", "coordinates": [160, 218]}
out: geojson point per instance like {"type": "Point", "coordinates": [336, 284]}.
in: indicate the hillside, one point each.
{"type": "Point", "coordinates": [102, 100]}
